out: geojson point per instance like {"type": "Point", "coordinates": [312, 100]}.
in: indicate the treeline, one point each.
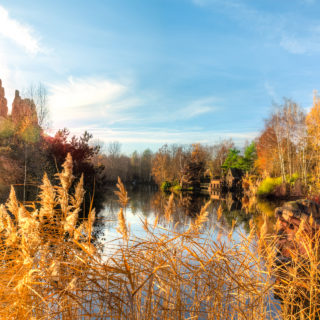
{"type": "Point", "coordinates": [287, 151]}
{"type": "Point", "coordinates": [285, 155]}
{"type": "Point", "coordinates": [184, 167]}
{"type": "Point", "coordinates": [178, 166]}
{"type": "Point", "coordinates": [135, 168]}
{"type": "Point", "coordinates": [288, 147]}
{"type": "Point", "coordinates": [26, 155]}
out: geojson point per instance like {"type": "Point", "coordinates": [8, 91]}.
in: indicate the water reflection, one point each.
{"type": "Point", "coordinates": [147, 203]}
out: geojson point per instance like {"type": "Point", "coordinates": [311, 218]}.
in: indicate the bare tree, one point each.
{"type": "Point", "coordinates": [114, 149]}
{"type": "Point", "coordinates": [39, 94]}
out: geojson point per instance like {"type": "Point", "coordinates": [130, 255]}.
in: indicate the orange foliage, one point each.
{"type": "Point", "coordinates": [266, 151]}
{"type": "Point", "coordinates": [313, 124]}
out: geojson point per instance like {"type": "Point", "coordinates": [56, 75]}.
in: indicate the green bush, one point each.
{"type": "Point", "coordinates": [165, 186]}
{"type": "Point", "coordinates": [268, 186]}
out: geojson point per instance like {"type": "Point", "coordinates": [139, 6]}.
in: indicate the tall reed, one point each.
{"type": "Point", "coordinates": [50, 267]}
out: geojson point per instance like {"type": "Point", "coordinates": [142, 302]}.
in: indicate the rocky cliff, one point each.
{"type": "Point", "coordinates": [22, 109]}
{"type": "Point", "coordinates": [3, 102]}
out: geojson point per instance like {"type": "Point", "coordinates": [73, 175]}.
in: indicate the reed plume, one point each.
{"type": "Point", "coordinates": [169, 208]}
{"type": "Point", "coordinates": [51, 268]}
{"type": "Point", "coordinates": [122, 193]}
{"type": "Point", "coordinates": [122, 225]}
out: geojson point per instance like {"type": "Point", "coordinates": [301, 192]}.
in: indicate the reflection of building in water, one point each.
{"type": "Point", "coordinates": [214, 186]}
{"type": "Point", "coordinates": [232, 201]}
{"type": "Point", "coordinates": [191, 204]}
{"type": "Point", "coordinates": [216, 195]}
{"type": "Point", "coordinates": [233, 179]}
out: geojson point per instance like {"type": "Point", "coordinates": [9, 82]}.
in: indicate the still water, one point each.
{"type": "Point", "coordinates": [148, 203]}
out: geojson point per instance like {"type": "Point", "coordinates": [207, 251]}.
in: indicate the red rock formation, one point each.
{"type": "Point", "coordinates": [3, 102]}
{"type": "Point", "coordinates": [22, 109]}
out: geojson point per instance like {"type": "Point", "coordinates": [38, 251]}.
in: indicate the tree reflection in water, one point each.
{"type": "Point", "coordinates": [146, 202]}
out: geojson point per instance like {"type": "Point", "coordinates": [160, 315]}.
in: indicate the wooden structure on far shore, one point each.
{"type": "Point", "coordinates": [232, 181]}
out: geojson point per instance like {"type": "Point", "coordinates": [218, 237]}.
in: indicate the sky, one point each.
{"type": "Point", "coordinates": [149, 72]}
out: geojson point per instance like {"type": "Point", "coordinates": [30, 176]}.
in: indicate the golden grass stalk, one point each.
{"type": "Point", "coordinates": [122, 225]}
{"type": "Point", "coordinates": [169, 208]}
{"type": "Point", "coordinates": [122, 193]}
{"type": "Point", "coordinates": [219, 212]}
{"type": "Point", "coordinates": [48, 273]}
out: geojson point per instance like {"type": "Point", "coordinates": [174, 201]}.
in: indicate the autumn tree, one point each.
{"type": "Point", "coordinates": [195, 167]}
{"type": "Point", "coordinates": [313, 129]}
{"type": "Point", "coordinates": [146, 165]}
{"type": "Point", "coordinates": [267, 161]}
{"type": "Point", "coordinates": [280, 146]}
{"type": "Point", "coordinates": [218, 155]}
{"type": "Point", "coordinates": [161, 165]}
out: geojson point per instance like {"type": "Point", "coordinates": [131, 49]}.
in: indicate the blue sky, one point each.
{"type": "Point", "coordinates": [149, 72]}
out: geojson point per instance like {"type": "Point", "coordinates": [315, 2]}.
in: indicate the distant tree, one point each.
{"type": "Point", "coordinates": [146, 164]}
{"type": "Point", "coordinates": [245, 162]}
{"type": "Point", "coordinates": [219, 153]}
{"type": "Point", "coordinates": [83, 154]}
{"type": "Point", "coordinates": [232, 160]}
{"type": "Point", "coordinates": [81, 151]}
{"type": "Point", "coordinates": [281, 147]}
{"type": "Point", "coordinates": [313, 129]}
{"type": "Point", "coordinates": [39, 95]}
{"type": "Point", "coordinates": [266, 145]}
{"type": "Point", "coordinates": [250, 157]}
{"type": "Point", "coordinates": [161, 165]}
{"type": "Point", "coordinates": [195, 167]}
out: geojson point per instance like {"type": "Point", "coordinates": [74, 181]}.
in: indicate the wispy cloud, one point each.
{"type": "Point", "coordinates": [77, 92]}
{"type": "Point", "coordinates": [198, 107]}
{"type": "Point", "coordinates": [308, 44]}
{"type": "Point", "coordinates": [159, 136]}
{"type": "Point", "coordinates": [21, 34]}
{"type": "Point", "coordinates": [293, 45]}
{"type": "Point", "coordinates": [92, 100]}
{"type": "Point", "coordinates": [271, 91]}
{"type": "Point", "coordinates": [293, 32]}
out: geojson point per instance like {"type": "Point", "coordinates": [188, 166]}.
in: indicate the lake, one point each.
{"type": "Point", "coordinates": [148, 203]}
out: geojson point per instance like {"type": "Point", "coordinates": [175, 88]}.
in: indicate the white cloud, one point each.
{"type": "Point", "coordinates": [77, 92]}
{"type": "Point", "coordinates": [21, 34]}
{"type": "Point", "coordinates": [160, 136]}
{"type": "Point", "coordinates": [91, 100]}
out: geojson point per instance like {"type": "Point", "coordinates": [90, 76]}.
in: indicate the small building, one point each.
{"type": "Point", "coordinates": [215, 184]}
{"type": "Point", "coordinates": [233, 178]}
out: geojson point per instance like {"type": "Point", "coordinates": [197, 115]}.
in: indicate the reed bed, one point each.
{"type": "Point", "coordinates": [51, 267]}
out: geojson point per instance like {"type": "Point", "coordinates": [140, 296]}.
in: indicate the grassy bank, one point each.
{"type": "Point", "coordinates": [52, 269]}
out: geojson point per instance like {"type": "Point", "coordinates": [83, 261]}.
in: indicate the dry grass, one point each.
{"type": "Point", "coordinates": [50, 269]}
